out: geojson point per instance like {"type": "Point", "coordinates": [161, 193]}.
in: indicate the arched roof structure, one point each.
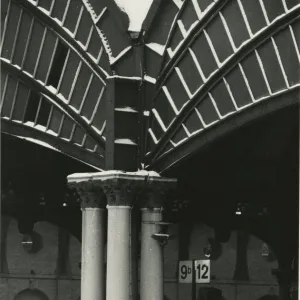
{"type": "Point", "coordinates": [231, 62]}
{"type": "Point", "coordinates": [76, 79]}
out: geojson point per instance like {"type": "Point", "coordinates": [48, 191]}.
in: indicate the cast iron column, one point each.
{"type": "Point", "coordinates": [1, 234]}
{"type": "Point", "coordinates": [120, 191]}
{"type": "Point", "coordinates": [152, 274]}
{"type": "Point", "coordinates": [92, 254]}
{"type": "Point", "coordinates": [118, 253]}
{"type": "Point", "coordinates": [153, 238]}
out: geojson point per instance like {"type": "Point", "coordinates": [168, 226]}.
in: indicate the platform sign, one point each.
{"type": "Point", "coordinates": [185, 271]}
{"type": "Point", "coordinates": [202, 271]}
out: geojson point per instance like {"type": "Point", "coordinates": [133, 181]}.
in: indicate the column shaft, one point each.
{"type": "Point", "coordinates": [152, 277]}
{"type": "Point", "coordinates": [92, 265]}
{"type": "Point", "coordinates": [1, 246]}
{"type": "Point", "coordinates": [118, 253]}
{"type": "Point", "coordinates": [1, 268]}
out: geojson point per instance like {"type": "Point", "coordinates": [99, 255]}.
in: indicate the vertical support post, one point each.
{"type": "Point", "coordinates": [152, 258]}
{"type": "Point", "coordinates": [118, 253]}
{"type": "Point", "coordinates": [194, 287]}
{"type": "Point", "coordinates": [1, 235]}
{"type": "Point", "coordinates": [92, 265]}
{"type": "Point", "coordinates": [93, 201]}
{"type": "Point", "coordinates": [120, 190]}
{"type": "Point", "coordinates": [110, 125]}
{"type": "Point", "coordinates": [152, 275]}
{"type": "Point", "coordinates": [138, 53]}
{"type": "Point", "coordinates": [299, 179]}
{"type": "Point", "coordinates": [184, 237]}
{"type": "Point", "coordinates": [134, 252]}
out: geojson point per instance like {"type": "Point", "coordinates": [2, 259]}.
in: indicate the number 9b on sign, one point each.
{"type": "Point", "coordinates": [186, 271]}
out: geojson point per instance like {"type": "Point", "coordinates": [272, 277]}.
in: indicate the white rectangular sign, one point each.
{"type": "Point", "coordinates": [185, 271]}
{"type": "Point", "coordinates": [202, 271]}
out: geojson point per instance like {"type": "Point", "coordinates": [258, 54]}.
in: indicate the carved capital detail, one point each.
{"type": "Point", "coordinates": [156, 194]}
{"type": "Point", "coordinates": [144, 188]}
{"type": "Point", "coordinates": [120, 192]}
{"type": "Point", "coordinates": [91, 196]}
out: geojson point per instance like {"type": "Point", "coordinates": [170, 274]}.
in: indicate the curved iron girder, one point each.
{"type": "Point", "coordinates": [67, 148]}
{"type": "Point", "coordinates": [173, 29]}
{"type": "Point", "coordinates": [34, 85]}
{"type": "Point", "coordinates": [120, 18]}
{"type": "Point", "coordinates": [277, 26]}
{"type": "Point", "coordinates": [191, 37]}
{"type": "Point", "coordinates": [197, 30]}
{"type": "Point", "coordinates": [63, 35]}
{"type": "Point", "coordinates": [167, 160]}
{"type": "Point", "coordinates": [148, 22]}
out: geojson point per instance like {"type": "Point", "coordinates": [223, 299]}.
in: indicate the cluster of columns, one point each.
{"type": "Point", "coordinates": [113, 194]}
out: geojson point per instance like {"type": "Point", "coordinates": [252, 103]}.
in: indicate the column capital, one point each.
{"type": "Point", "coordinates": [156, 192]}
{"type": "Point", "coordinates": [120, 192]}
{"type": "Point", "coordinates": [91, 195]}
{"type": "Point", "coordinates": [146, 188]}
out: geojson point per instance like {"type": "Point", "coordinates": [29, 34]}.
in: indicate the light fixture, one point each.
{"type": "Point", "coordinates": [207, 250]}
{"type": "Point", "coordinates": [267, 253]}
{"type": "Point", "coordinates": [213, 249]}
{"type": "Point", "coordinates": [242, 208]}
{"type": "Point", "coordinates": [42, 200]}
{"type": "Point", "coordinates": [239, 209]}
{"type": "Point", "coordinates": [32, 242]}
{"type": "Point", "coordinates": [27, 243]}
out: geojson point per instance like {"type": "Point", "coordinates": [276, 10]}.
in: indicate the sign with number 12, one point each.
{"type": "Point", "coordinates": [202, 271]}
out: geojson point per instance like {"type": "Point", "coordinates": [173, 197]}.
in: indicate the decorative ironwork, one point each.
{"type": "Point", "coordinates": [188, 102]}
{"type": "Point", "coordinates": [212, 75]}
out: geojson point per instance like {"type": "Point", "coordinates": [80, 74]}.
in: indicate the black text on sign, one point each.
{"type": "Point", "coordinates": [202, 271]}
{"type": "Point", "coordinates": [185, 271]}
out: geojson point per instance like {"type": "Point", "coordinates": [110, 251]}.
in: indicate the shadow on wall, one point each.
{"type": "Point", "coordinates": [209, 293]}
{"type": "Point", "coordinates": [31, 294]}
{"type": "Point", "coordinates": [269, 297]}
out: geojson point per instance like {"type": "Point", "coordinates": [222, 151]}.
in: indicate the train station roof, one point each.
{"type": "Point", "coordinates": [130, 84]}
